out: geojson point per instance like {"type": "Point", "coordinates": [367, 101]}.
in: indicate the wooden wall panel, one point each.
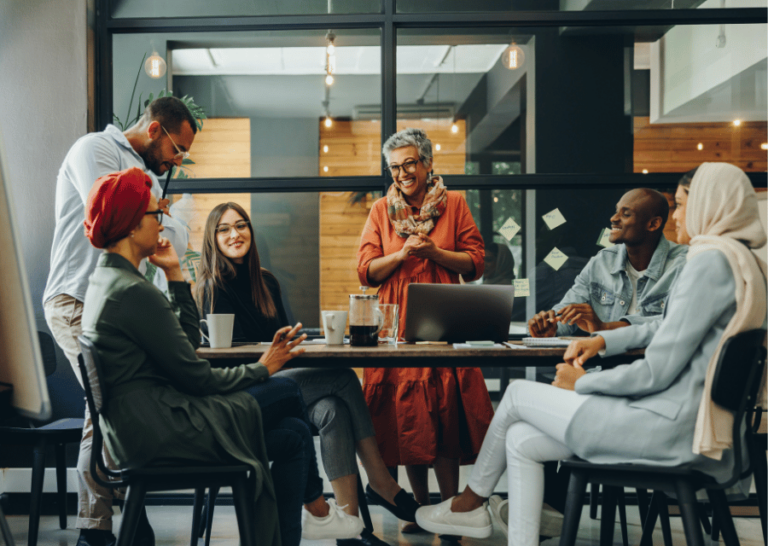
{"type": "Point", "coordinates": [673, 147]}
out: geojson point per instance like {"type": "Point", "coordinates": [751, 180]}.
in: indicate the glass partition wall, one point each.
{"type": "Point", "coordinates": [533, 115]}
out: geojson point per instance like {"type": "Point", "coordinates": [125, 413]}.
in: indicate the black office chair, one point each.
{"type": "Point", "coordinates": [735, 386]}
{"type": "Point", "coordinates": [140, 480]}
{"type": "Point", "coordinates": [56, 434]}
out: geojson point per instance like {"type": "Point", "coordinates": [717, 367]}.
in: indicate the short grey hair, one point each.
{"type": "Point", "coordinates": [410, 137]}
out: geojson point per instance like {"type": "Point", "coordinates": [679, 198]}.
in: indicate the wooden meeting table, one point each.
{"type": "Point", "coordinates": [408, 355]}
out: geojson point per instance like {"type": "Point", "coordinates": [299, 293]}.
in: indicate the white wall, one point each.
{"type": "Point", "coordinates": [43, 110]}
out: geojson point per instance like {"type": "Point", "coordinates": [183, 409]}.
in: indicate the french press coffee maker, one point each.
{"type": "Point", "coordinates": [365, 319]}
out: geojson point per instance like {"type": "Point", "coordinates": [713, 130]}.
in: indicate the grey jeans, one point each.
{"type": "Point", "coordinates": [336, 406]}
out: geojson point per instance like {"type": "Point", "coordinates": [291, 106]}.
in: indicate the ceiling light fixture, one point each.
{"type": "Point", "coordinates": [155, 66]}
{"type": "Point", "coordinates": [330, 57]}
{"type": "Point", "coordinates": [645, 171]}
{"type": "Point", "coordinates": [328, 121]}
{"type": "Point", "coordinates": [736, 122]}
{"type": "Point", "coordinates": [454, 128]}
{"type": "Point", "coordinates": [764, 146]}
{"type": "Point", "coordinates": [513, 57]}
{"type": "Point", "coordinates": [325, 149]}
{"type": "Point", "coordinates": [437, 147]}
{"type": "Point", "coordinates": [700, 146]}
{"type": "Point", "coordinates": [325, 169]}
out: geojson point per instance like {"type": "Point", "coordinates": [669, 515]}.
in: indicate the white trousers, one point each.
{"type": "Point", "coordinates": [527, 430]}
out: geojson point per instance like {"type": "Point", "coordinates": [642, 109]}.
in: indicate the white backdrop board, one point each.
{"type": "Point", "coordinates": [21, 363]}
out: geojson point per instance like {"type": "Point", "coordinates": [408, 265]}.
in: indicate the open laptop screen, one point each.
{"type": "Point", "coordinates": [458, 312]}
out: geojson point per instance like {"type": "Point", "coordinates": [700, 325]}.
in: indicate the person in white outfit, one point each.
{"type": "Point", "coordinates": [602, 417]}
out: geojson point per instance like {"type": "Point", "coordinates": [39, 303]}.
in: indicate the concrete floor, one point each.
{"type": "Point", "coordinates": [172, 527]}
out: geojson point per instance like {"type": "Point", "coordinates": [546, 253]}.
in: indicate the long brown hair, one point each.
{"type": "Point", "coordinates": [215, 268]}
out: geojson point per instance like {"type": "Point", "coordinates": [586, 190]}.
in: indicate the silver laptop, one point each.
{"type": "Point", "coordinates": [458, 312]}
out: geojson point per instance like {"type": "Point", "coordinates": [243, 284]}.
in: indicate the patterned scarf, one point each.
{"type": "Point", "coordinates": [399, 211]}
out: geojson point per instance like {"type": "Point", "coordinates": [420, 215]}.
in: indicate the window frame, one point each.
{"type": "Point", "coordinates": [389, 21]}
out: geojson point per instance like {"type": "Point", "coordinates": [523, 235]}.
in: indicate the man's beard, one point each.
{"type": "Point", "coordinates": [151, 157]}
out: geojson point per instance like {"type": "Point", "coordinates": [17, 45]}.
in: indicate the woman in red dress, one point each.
{"type": "Point", "coordinates": [422, 233]}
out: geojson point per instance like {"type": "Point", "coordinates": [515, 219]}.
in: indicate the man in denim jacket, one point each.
{"type": "Point", "coordinates": [626, 282]}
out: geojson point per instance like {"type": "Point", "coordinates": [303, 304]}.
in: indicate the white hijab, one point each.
{"type": "Point", "coordinates": [722, 214]}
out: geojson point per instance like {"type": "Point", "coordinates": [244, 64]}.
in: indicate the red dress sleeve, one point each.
{"type": "Point", "coordinates": [371, 244]}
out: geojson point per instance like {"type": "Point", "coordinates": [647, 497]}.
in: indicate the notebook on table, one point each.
{"type": "Point", "coordinates": [546, 341]}
{"type": "Point", "coordinates": [458, 313]}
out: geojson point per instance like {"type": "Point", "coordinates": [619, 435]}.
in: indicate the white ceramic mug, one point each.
{"type": "Point", "coordinates": [334, 323]}
{"type": "Point", "coordinates": [219, 330]}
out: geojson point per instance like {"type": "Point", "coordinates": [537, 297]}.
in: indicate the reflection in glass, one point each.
{"type": "Point", "coordinates": [230, 8]}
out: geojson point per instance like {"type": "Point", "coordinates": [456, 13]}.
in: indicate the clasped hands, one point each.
{"type": "Point", "coordinates": [420, 246]}
{"type": "Point", "coordinates": [544, 323]}
{"type": "Point", "coordinates": [576, 355]}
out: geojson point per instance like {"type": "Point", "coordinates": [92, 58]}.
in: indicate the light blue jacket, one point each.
{"type": "Point", "coordinates": [645, 412]}
{"type": "Point", "coordinates": [605, 285]}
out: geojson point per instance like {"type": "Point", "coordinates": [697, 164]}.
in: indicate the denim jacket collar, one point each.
{"type": "Point", "coordinates": [654, 269]}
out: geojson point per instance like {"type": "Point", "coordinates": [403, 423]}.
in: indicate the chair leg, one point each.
{"type": "Point", "coordinates": [622, 504]}
{"type": "Point", "coordinates": [663, 506]}
{"type": "Point", "coordinates": [5, 530]}
{"type": "Point", "coordinates": [686, 499]}
{"type": "Point", "coordinates": [132, 509]}
{"type": "Point", "coordinates": [240, 493]}
{"type": "Point", "coordinates": [760, 469]}
{"type": "Point", "coordinates": [213, 492]}
{"type": "Point", "coordinates": [720, 507]}
{"type": "Point", "coordinates": [197, 510]}
{"type": "Point", "coordinates": [607, 515]}
{"type": "Point", "coordinates": [61, 484]}
{"type": "Point", "coordinates": [704, 519]}
{"type": "Point", "coordinates": [594, 493]}
{"type": "Point", "coordinates": [642, 503]}
{"type": "Point", "coordinates": [649, 522]}
{"type": "Point", "coordinates": [38, 475]}
{"type": "Point", "coordinates": [574, 502]}
{"type": "Point", "coordinates": [715, 535]}
{"type": "Point", "coordinates": [362, 504]}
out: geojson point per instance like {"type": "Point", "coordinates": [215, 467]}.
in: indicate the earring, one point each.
{"type": "Point", "coordinates": [132, 234]}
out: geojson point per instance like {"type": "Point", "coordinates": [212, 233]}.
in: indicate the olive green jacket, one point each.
{"type": "Point", "coordinates": [164, 404]}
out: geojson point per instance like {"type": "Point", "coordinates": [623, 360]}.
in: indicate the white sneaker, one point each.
{"type": "Point", "coordinates": [337, 524]}
{"type": "Point", "coordinates": [439, 519]}
{"type": "Point", "coordinates": [500, 512]}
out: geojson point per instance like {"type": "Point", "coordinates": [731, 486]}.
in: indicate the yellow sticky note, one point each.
{"type": "Point", "coordinates": [556, 259]}
{"type": "Point", "coordinates": [554, 218]}
{"type": "Point", "coordinates": [509, 229]}
{"type": "Point", "coordinates": [522, 288]}
{"type": "Point", "coordinates": [603, 240]}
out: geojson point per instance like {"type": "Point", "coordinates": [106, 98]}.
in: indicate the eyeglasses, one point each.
{"type": "Point", "coordinates": [158, 214]}
{"type": "Point", "coordinates": [408, 166]}
{"type": "Point", "coordinates": [224, 229]}
{"type": "Point", "coordinates": [182, 155]}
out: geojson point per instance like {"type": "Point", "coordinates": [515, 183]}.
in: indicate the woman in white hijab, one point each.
{"type": "Point", "coordinates": [656, 410]}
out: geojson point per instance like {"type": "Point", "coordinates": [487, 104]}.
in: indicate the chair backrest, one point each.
{"type": "Point", "coordinates": [96, 398]}
{"type": "Point", "coordinates": [48, 352]}
{"type": "Point", "coordinates": [736, 383]}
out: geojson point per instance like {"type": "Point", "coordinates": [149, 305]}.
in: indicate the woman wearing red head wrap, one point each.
{"type": "Point", "coordinates": [167, 405]}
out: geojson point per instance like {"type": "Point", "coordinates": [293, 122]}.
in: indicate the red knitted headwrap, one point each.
{"type": "Point", "coordinates": [116, 204]}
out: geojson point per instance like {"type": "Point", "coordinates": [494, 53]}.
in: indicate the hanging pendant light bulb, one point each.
{"type": "Point", "coordinates": [155, 66]}
{"type": "Point", "coordinates": [328, 121]}
{"type": "Point", "coordinates": [454, 128]}
{"type": "Point", "coordinates": [329, 80]}
{"type": "Point", "coordinates": [513, 57]}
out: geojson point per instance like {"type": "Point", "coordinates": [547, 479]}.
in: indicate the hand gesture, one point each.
{"type": "Point", "coordinates": [410, 243]}
{"type": "Point", "coordinates": [543, 324]}
{"type": "Point", "coordinates": [282, 349]}
{"type": "Point", "coordinates": [581, 350]}
{"type": "Point", "coordinates": [567, 376]}
{"type": "Point", "coordinates": [165, 256]}
{"type": "Point", "coordinates": [425, 248]}
{"type": "Point", "coordinates": [583, 316]}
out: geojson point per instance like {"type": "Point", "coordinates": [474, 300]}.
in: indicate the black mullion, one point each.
{"type": "Point", "coordinates": [276, 185]}
{"type": "Point", "coordinates": [245, 23]}
{"type": "Point", "coordinates": [464, 182]}
{"type": "Point", "coordinates": [583, 18]}
{"type": "Point", "coordinates": [103, 96]}
{"type": "Point", "coordinates": [388, 80]}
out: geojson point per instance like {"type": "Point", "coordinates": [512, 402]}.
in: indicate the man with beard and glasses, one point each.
{"type": "Point", "coordinates": [158, 141]}
{"type": "Point", "coordinates": [624, 283]}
